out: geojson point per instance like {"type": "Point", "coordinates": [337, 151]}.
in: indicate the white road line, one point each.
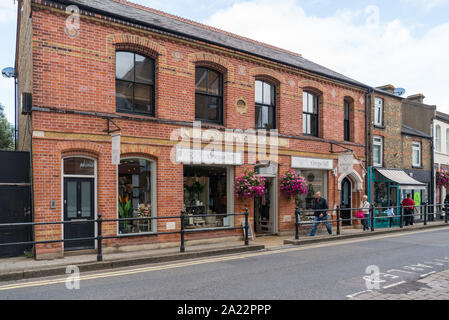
{"type": "Point", "coordinates": [358, 293]}
{"type": "Point", "coordinates": [427, 274]}
{"type": "Point", "coordinates": [393, 285]}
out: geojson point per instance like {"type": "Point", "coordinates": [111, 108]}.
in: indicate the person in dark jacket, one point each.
{"type": "Point", "coordinates": [320, 207]}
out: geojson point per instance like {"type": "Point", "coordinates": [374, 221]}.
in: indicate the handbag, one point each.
{"type": "Point", "coordinates": [360, 214]}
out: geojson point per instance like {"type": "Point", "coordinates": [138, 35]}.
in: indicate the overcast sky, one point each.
{"type": "Point", "coordinates": [401, 42]}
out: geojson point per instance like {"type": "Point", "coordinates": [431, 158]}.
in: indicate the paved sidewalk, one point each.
{"type": "Point", "coordinates": [433, 287]}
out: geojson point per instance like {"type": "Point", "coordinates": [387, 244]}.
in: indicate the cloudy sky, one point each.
{"type": "Point", "coordinates": [401, 42]}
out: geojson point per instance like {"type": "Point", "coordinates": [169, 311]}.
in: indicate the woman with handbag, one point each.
{"type": "Point", "coordinates": [364, 210]}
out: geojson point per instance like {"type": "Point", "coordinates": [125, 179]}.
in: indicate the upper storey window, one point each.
{"type": "Point", "coordinates": [378, 111]}
{"type": "Point", "coordinates": [310, 114]}
{"type": "Point", "coordinates": [134, 81]}
{"type": "Point", "coordinates": [265, 97]}
{"type": "Point", "coordinates": [347, 121]}
{"type": "Point", "coordinates": [208, 95]}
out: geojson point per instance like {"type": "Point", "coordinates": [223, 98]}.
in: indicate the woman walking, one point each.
{"type": "Point", "coordinates": [364, 207]}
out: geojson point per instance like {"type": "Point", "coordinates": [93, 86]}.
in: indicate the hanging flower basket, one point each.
{"type": "Point", "coordinates": [442, 179]}
{"type": "Point", "coordinates": [249, 186]}
{"type": "Point", "coordinates": [293, 184]}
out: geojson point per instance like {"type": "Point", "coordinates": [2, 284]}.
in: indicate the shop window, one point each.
{"type": "Point", "coordinates": [208, 95]}
{"type": "Point", "coordinates": [265, 97]}
{"type": "Point", "coordinates": [206, 192]}
{"type": "Point", "coordinates": [134, 82]}
{"type": "Point", "coordinates": [316, 181]}
{"type": "Point", "coordinates": [135, 195]}
{"type": "Point", "coordinates": [310, 114]}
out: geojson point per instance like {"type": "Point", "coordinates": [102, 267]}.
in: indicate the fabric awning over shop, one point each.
{"type": "Point", "coordinates": [402, 178]}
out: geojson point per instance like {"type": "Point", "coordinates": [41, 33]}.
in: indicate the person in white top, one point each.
{"type": "Point", "coordinates": [364, 206]}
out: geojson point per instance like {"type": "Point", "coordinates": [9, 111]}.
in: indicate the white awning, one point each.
{"type": "Point", "coordinates": [402, 178]}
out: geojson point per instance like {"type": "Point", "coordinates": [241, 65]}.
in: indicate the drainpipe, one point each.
{"type": "Point", "coordinates": [367, 143]}
{"type": "Point", "coordinates": [432, 167]}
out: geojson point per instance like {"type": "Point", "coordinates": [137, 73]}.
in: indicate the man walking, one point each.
{"type": "Point", "coordinates": [320, 206]}
{"type": "Point", "coordinates": [409, 206]}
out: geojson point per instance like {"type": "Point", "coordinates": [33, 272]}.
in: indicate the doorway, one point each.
{"type": "Point", "coordinates": [346, 202]}
{"type": "Point", "coordinates": [264, 210]}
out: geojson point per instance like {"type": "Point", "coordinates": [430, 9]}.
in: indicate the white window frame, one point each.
{"type": "Point", "coordinates": [154, 225]}
{"type": "Point", "coordinates": [416, 146]}
{"type": "Point", "coordinates": [380, 143]}
{"type": "Point", "coordinates": [378, 110]}
{"type": "Point", "coordinates": [447, 141]}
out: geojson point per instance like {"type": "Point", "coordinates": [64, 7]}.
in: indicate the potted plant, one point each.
{"type": "Point", "coordinates": [125, 210]}
{"type": "Point", "coordinates": [442, 179]}
{"type": "Point", "coordinates": [293, 184]}
{"type": "Point", "coordinates": [249, 186]}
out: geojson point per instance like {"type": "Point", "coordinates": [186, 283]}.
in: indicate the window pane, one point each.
{"type": "Point", "coordinates": [79, 166]}
{"type": "Point", "coordinates": [144, 69]}
{"type": "Point", "coordinates": [205, 192]}
{"type": "Point", "coordinates": [305, 100]}
{"type": "Point", "coordinates": [124, 95]}
{"type": "Point", "coordinates": [258, 90]}
{"type": "Point", "coordinates": [346, 110]}
{"type": "Point", "coordinates": [86, 195]}
{"type": "Point", "coordinates": [207, 108]}
{"type": "Point", "coordinates": [304, 123]}
{"type": "Point", "coordinates": [267, 93]}
{"type": "Point", "coordinates": [316, 181]}
{"type": "Point", "coordinates": [214, 82]}
{"type": "Point", "coordinates": [201, 80]}
{"type": "Point", "coordinates": [71, 199]}
{"type": "Point", "coordinates": [311, 103]}
{"type": "Point", "coordinates": [142, 98]}
{"type": "Point", "coordinates": [124, 66]}
{"type": "Point", "coordinates": [376, 155]}
{"type": "Point", "coordinates": [135, 189]}
{"type": "Point", "coordinates": [313, 125]}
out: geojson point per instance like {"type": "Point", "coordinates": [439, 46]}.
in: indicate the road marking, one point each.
{"type": "Point", "coordinates": [204, 261]}
{"type": "Point", "coordinates": [427, 274]}
{"type": "Point", "coordinates": [394, 285]}
{"type": "Point", "coordinates": [358, 293]}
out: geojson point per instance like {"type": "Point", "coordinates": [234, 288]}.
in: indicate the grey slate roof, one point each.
{"type": "Point", "coordinates": [158, 21]}
{"type": "Point", "coordinates": [413, 132]}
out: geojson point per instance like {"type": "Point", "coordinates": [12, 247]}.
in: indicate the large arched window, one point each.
{"type": "Point", "coordinates": [134, 81]}
{"type": "Point", "coordinates": [347, 120]}
{"type": "Point", "coordinates": [265, 98]}
{"type": "Point", "coordinates": [136, 195]}
{"type": "Point", "coordinates": [310, 114]}
{"type": "Point", "coordinates": [208, 95]}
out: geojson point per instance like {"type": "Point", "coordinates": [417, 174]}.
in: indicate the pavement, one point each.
{"type": "Point", "coordinates": [335, 270]}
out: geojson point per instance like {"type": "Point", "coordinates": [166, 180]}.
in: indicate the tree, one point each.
{"type": "Point", "coordinates": [6, 132]}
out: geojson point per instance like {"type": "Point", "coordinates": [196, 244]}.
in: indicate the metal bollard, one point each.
{"type": "Point", "coordinates": [297, 223]}
{"type": "Point", "coordinates": [425, 214]}
{"type": "Point", "coordinates": [182, 249]}
{"type": "Point", "coordinates": [338, 220]}
{"type": "Point", "coordinates": [100, 238]}
{"type": "Point", "coordinates": [372, 218]}
{"type": "Point", "coordinates": [246, 227]}
{"type": "Point", "coordinates": [401, 220]}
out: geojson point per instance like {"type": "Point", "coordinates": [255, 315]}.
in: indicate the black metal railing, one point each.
{"type": "Point", "coordinates": [99, 223]}
{"type": "Point", "coordinates": [424, 212]}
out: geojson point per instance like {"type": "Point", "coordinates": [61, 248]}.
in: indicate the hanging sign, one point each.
{"type": "Point", "coordinates": [116, 149]}
{"type": "Point", "coordinates": [345, 163]}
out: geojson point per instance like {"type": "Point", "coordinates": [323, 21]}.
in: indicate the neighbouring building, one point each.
{"type": "Point", "coordinates": [401, 149]}
{"type": "Point", "coordinates": [441, 153]}
{"type": "Point", "coordinates": [113, 82]}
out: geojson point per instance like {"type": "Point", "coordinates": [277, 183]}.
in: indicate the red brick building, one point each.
{"type": "Point", "coordinates": [122, 68]}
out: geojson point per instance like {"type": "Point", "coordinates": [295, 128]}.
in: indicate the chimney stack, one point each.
{"type": "Point", "coordinates": [417, 98]}
{"type": "Point", "coordinates": [389, 88]}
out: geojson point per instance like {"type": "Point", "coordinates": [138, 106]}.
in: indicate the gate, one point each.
{"type": "Point", "coordinates": [15, 201]}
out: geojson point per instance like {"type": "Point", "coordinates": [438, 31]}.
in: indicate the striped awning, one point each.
{"type": "Point", "coordinates": [402, 178]}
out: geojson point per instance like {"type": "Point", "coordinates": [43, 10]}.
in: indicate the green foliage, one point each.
{"type": "Point", "coordinates": [6, 132]}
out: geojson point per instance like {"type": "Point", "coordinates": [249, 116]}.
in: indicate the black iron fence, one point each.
{"type": "Point", "coordinates": [99, 223]}
{"type": "Point", "coordinates": [405, 215]}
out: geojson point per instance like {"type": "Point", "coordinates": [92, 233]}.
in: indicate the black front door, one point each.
{"type": "Point", "coordinates": [345, 202]}
{"type": "Point", "coordinates": [79, 208]}
{"type": "Point", "coordinates": [262, 219]}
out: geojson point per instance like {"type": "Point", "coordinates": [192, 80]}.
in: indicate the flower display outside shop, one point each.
{"type": "Point", "coordinates": [249, 186]}
{"type": "Point", "coordinates": [442, 179]}
{"type": "Point", "coordinates": [293, 184]}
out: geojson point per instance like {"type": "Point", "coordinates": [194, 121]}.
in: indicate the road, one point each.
{"type": "Point", "coordinates": [323, 271]}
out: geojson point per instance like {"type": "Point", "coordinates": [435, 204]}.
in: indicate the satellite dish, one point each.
{"type": "Point", "coordinates": [399, 91]}
{"type": "Point", "coordinates": [8, 72]}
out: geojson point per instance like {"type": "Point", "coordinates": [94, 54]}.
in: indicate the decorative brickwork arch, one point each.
{"type": "Point", "coordinates": [144, 151]}
{"type": "Point", "coordinates": [262, 72]}
{"type": "Point", "coordinates": [355, 178]}
{"type": "Point", "coordinates": [72, 147]}
{"type": "Point", "coordinates": [139, 44]}
{"type": "Point", "coordinates": [211, 60]}
{"type": "Point", "coordinates": [311, 85]}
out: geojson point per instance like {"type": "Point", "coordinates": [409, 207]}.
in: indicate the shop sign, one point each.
{"type": "Point", "coordinates": [195, 156]}
{"type": "Point", "coordinates": [345, 163]}
{"type": "Point", "coordinates": [312, 163]}
{"type": "Point", "coordinates": [116, 149]}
